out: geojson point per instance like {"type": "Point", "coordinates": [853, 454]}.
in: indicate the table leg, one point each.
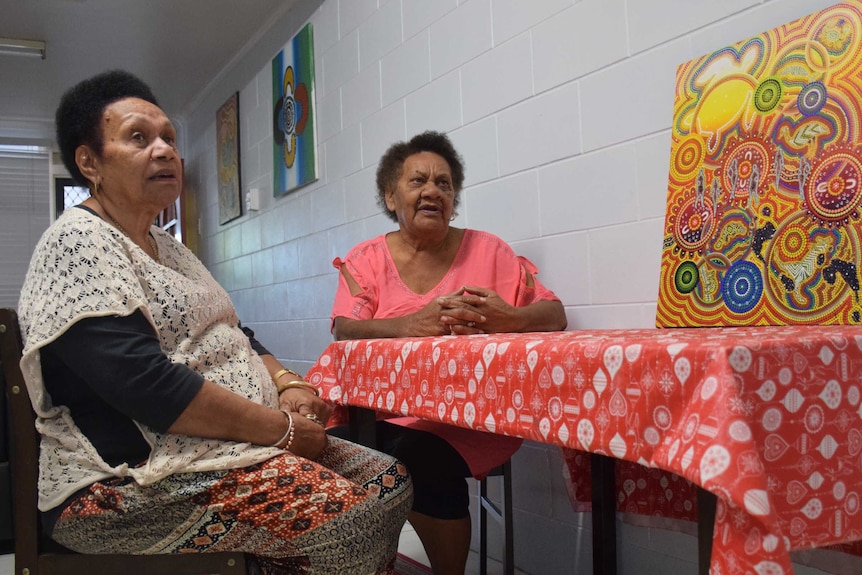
{"type": "Point", "coordinates": [705, 525]}
{"type": "Point", "coordinates": [362, 426]}
{"type": "Point", "coordinates": [603, 481]}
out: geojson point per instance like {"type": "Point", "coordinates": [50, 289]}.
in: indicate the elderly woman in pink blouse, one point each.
{"type": "Point", "coordinates": [429, 279]}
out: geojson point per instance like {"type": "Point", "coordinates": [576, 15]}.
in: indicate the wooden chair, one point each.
{"type": "Point", "coordinates": [36, 554]}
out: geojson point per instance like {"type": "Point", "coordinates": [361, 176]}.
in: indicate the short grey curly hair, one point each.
{"type": "Point", "coordinates": [392, 162]}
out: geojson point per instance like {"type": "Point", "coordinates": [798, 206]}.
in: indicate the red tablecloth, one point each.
{"type": "Point", "coordinates": [767, 418]}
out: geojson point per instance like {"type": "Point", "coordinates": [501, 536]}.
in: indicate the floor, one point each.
{"type": "Point", "coordinates": [410, 546]}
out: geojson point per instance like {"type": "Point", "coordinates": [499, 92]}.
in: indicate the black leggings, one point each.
{"type": "Point", "coordinates": [439, 472]}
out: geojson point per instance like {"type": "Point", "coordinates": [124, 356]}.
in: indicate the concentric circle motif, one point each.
{"type": "Point", "coordinates": [811, 98]}
{"type": "Point", "coordinates": [742, 287]}
{"type": "Point", "coordinates": [555, 408]}
{"type": "Point", "coordinates": [685, 278]}
{"type": "Point", "coordinates": [288, 114]}
{"type": "Point", "coordinates": [690, 428]}
{"type": "Point", "coordinates": [814, 419]}
{"type": "Point", "coordinates": [517, 399]}
{"type": "Point", "coordinates": [589, 400]}
{"type": "Point", "coordinates": [767, 95]}
{"type": "Point", "coordinates": [793, 243]}
{"type": "Point", "coordinates": [662, 417]}
{"type": "Point", "coordinates": [833, 192]}
{"type": "Point", "coordinates": [687, 158]}
{"type": "Point", "coordinates": [744, 159]}
{"type": "Point", "coordinates": [693, 226]}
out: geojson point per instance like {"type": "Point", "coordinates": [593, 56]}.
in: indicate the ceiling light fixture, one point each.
{"type": "Point", "coordinates": [14, 46]}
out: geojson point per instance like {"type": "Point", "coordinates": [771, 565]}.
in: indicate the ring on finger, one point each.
{"type": "Point", "coordinates": [313, 417]}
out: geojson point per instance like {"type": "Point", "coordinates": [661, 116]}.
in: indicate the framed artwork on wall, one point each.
{"type": "Point", "coordinates": [293, 115]}
{"type": "Point", "coordinates": [227, 162]}
{"type": "Point", "coordinates": [764, 211]}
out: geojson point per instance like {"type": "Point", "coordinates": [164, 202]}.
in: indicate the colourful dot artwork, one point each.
{"type": "Point", "coordinates": [764, 206]}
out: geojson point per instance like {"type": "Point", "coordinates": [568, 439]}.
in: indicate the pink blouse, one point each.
{"type": "Point", "coordinates": [482, 260]}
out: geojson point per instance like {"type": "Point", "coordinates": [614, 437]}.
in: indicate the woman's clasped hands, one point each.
{"type": "Point", "coordinates": [310, 414]}
{"type": "Point", "coordinates": [472, 310]}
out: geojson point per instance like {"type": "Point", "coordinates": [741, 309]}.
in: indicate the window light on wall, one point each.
{"type": "Point", "coordinates": [19, 47]}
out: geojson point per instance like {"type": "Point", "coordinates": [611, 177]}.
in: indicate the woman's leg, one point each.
{"type": "Point", "coordinates": [339, 515]}
{"type": "Point", "coordinates": [441, 513]}
{"type": "Point", "coordinates": [446, 542]}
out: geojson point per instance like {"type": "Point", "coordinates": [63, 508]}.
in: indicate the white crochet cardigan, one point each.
{"type": "Point", "coordinates": [83, 267]}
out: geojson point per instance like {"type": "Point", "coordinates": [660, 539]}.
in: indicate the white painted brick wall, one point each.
{"type": "Point", "coordinates": [460, 36]}
{"type": "Point", "coordinates": [435, 106]}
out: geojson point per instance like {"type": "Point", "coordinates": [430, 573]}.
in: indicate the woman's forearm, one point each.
{"type": "Point", "coordinates": [218, 413]}
{"type": "Point", "coordinates": [545, 315]}
{"type": "Point", "coordinates": [345, 328]}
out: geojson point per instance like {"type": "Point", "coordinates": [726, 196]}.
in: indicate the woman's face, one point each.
{"type": "Point", "coordinates": [140, 167]}
{"type": "Point", "coordinates": [424, 196]}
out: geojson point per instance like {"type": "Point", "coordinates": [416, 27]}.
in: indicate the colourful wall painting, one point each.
{"type": "Point", "coordinates": [293, 120]}
{"type": "Point", "coordinates": [227, 149]}
{"type": "Point", "coordinates": [764, 204]}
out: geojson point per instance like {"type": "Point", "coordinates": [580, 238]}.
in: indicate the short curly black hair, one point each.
{"type": "Point", "coordinates": [78, 116]}
{"type": "Point", "coordinates": [392, 162]}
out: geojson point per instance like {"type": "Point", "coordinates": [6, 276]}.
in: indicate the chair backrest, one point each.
{"type": "Point", "coordinates": [38, 555]}
{"type": "Point", "coordinates": [24, 446]}
{"type": "Point", "coordinates": [5, 471]}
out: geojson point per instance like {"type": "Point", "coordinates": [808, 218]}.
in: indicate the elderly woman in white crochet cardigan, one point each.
{"type": "Point", "coordinates": [165, 427]}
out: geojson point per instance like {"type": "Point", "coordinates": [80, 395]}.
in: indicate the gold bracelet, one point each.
{"type": "Point", "coordinates": [281, 372]}
{"type": "Point", "coordinates": [297, 383]}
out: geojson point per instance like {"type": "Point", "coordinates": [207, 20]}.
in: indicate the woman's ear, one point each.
{"type": "Point", "coordinates": [86, 162]}
{"type": "Point", "coordinates": [389, 196]}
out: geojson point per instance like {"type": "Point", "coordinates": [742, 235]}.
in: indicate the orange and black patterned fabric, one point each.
{"type": "Point", "coordinates": [340, 514]}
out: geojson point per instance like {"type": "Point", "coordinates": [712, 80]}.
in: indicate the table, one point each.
{"type": "Point", "coordinates": [769, 419]}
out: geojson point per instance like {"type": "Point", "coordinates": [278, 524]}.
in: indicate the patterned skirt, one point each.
{"type": "Point", "coordinates": [339, 514]}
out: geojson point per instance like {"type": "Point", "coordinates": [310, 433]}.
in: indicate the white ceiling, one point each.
{"type": "Point", "coordinates": [177, 46]}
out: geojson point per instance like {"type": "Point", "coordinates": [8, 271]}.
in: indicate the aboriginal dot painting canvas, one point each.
{"type": "Point", "coordinates": [764, 207]}
{"type": "Point", "coordinates": [293, 115]}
